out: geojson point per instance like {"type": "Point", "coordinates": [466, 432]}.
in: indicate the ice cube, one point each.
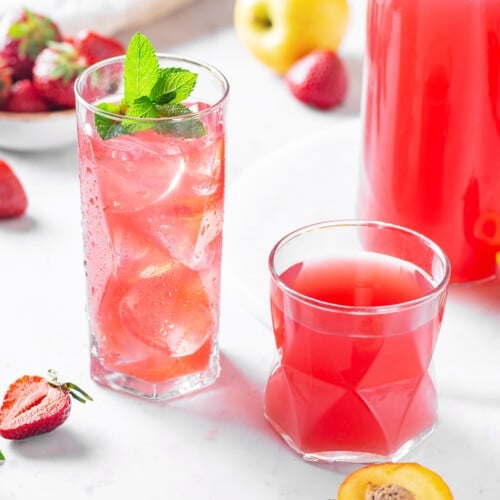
{"type": "Point", "coordinates": [168, 309]}
{"type": "Point", "coordinates": [117, 346]}
{"type": "Point", "coordinates": [131, 179]}
{"type": "Point", "coordinates": [183, 227]}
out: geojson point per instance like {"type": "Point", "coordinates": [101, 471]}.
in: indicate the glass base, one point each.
{"type": "Point", "coordinates": [353, 457]}
{"type": "Point", "coordinates": [169, 389]}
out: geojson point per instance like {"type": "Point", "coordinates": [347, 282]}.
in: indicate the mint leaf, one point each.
{"type": "Point", "coordinates": [150, 92]}
{"type": "Point", "coordinates": [140, 108]}
{"type": "Point", "coordinates": [174, 85]}
{"type": "Point", "coordinates": [106, 127]}
{"type": "Point", "coordinates": [143, 107]}
{"type": "Point", "coordinates": [189, 128]}
{"type": "Point", "coordinates": [140, 71]}
{"type": "Point", "coordinates": [2, 458]}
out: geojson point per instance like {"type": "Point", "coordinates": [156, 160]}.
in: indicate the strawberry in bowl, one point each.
{"type": "Point", "coordinates": [54, 73]}
{"type": "Point", "coordinates": [38, 67]}
{"type": "Point", "coordinates": [23, 35]}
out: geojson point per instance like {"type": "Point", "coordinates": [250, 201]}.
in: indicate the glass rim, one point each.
{"type": "Point", "coordinates": [360, 310]}
{"type": "Point", "coordinates": [161, 55]}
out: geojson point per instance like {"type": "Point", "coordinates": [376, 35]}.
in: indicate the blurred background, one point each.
{"type": "Point", "coordinates": [115, 16]}
{"type": "Point", "coordinates": [204, 29]}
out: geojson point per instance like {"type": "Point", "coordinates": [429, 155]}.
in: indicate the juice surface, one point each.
{"type": "Point", "coordinates": [432, 125]}
{"type": "Point", "coordinates": [153, 209]}
{"type": "Point", "coordinates": [352, 383]}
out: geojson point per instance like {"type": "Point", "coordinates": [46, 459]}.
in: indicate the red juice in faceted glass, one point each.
{"type": "Point", "coordinates": [432, 125]}
{"type": "Point", "coordinates": [353, 375]}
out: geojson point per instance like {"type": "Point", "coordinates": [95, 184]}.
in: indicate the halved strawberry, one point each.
{"type": "Point", "coordinates": [96, 47]}
{"type": "Point", "coordinates": [23, 35]}
{"type": "Point", "coordinates": [13, 201]}
{"type": "Point", "coordinates": [318, 79]}
{"type": "Point", "coordinates": [55, 71]}
{"type": "Point", "coordinates": [34, 405]}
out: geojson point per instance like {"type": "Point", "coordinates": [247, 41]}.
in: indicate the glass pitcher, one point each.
{"type": "Point", "coordinates": [431, 125]}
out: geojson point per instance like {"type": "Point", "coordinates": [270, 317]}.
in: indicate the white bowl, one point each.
{"type": "Point", "coordinates": [37, 131]}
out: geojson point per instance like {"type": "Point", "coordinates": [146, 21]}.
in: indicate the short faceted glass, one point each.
{"type": "Point", "coordinates": [152, 214]}
{"type": "Point", "coordinates": [356, 310]}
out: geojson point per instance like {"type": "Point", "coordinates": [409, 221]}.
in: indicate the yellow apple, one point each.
{"type": "Point", "coordinates": [279, 32]}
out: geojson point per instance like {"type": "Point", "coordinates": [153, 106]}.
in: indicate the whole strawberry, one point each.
{"type": "Point", "coordinates": [55, 71]}
{"type": "Point", "coordinates": [23, 36]}
{"type": "Point", "coordinates": [318, 79]}
{"type": "Point", "coordinates": [34, 405]}
{"type": "Point", "coordinates": [25, 98]}
{"type": "Point", "coordinates": [96, 47]}
{"type": "Point", "coordinates": [13, 201]}
{"type": "Point", "coordinates": [5, 82]}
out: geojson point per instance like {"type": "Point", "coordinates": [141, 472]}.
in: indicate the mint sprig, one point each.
{"type": "Point", "coordinates": [150, 92]}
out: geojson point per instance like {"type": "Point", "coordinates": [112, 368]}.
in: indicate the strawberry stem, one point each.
{"type": "Point", "coordinates": [74, 391]}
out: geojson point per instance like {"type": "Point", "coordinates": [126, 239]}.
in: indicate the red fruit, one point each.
{"type": "Point", "coordinates": [68, 39]}
{"type": "Point", "coordinates": [13, 201]}
{"type": "Point", "coordinates": [34, 405]}
{"type": "Point", "coordinates": [55, 71]}
{"type": "Point", "coordinates": [319, 79]}
{"type": "Point", "coordinates": [25, 98]}
{"type": "Point", "coordinates": [5, 82]}
{"type": "Point", "coordinates": [22, 37]}
{"type": "Point", "coordinates": [95, 47]}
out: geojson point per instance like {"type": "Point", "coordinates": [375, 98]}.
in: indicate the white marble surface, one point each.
{"type": "Point", "coordinates": [216, 444]}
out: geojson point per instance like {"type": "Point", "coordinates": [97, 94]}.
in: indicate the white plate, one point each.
{"type": "Point", "coordinates": [37, 131]}
{"type": "Point", "coordinates": [313, 180]}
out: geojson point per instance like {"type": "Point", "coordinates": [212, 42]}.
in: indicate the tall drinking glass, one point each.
{"type": "Point", "coordinates": [152, 211]}
{"type": "Point", "coordinates": [432, 125]}
{"type": "Point", "coordinates": [356, 309]}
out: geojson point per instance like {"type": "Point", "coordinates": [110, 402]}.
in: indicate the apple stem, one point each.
{"type": "Point", "coordinates": [261, 18]}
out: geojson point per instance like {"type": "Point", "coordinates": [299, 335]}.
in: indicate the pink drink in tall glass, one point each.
{"type": "Point", "coordinates": [152, 209]}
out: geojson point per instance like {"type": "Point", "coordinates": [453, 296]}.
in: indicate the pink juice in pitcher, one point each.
{"type": "Point", "coordinates": [432, 125]}
{"type": "Point", "coordinates": [350, 384]}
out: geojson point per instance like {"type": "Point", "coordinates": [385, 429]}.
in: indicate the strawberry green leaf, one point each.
{"type": "Point", "coordinates": [2, 457]}
{"type": "Point", "coordinates": [76, 392]}
{"type": "Point", "coordinates": [141, 68]}
{"type": "Point", "coordinates": [18, 30]}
